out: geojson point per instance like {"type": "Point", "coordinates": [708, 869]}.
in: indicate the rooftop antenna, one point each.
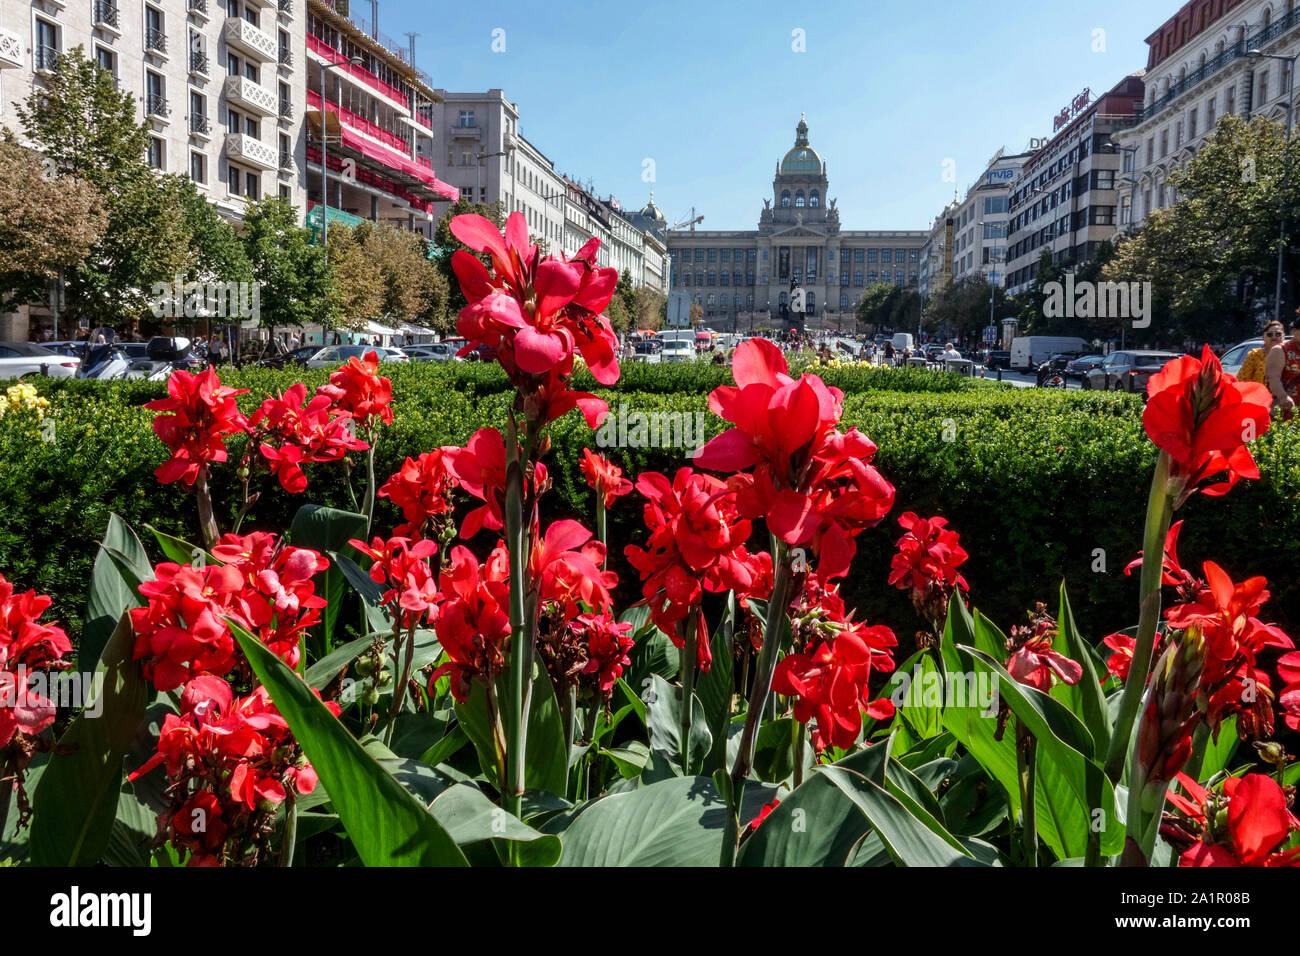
{"type": "Point", "coordinates": [412, 37]}
{"type": "Point", "coordinates": [374, 19]}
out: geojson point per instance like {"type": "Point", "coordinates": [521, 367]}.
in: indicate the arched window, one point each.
{"type": "Point", "coordinates": [1203, 58]}
{"type": "Point", "coordinates": [814, 199]}
{"type": "Point", "coordinates": [785, 197]}
{"type": "Point", "coordinates": [798, 198]}
{"type": "Point", "coordinates": [1218, 51]}
{"type": "Point", "coordinates": [1268, 16]}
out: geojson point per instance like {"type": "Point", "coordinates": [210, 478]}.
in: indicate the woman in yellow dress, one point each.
{"type": "Point", "coordinates": [1252, 370]}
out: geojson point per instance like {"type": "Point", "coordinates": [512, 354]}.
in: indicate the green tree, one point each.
{"type": "Point", "coordinates": [962, 309]}
{"type": "Point", "coordinates": [48, 222]}
{"type": "Point", "coordinates": [87, 129]}
{"type": "Point", "coordinates": [297, 286]}
{"type": "Point", "coordinates": [1211, 257]}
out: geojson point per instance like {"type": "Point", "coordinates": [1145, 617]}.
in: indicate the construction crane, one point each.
{"type": "Point", "coordinates": [688, 222]}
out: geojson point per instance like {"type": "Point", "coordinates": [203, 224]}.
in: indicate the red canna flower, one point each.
{"type": "Point", "coordinates": [358, 390]}
{"type": "Point", "coordinates": [229, 762]}
{"type": "Point", "coordinates": [813, 484]}
{"type": "Point", "coordinates": [607, 645]}
{"type": "Point", "coordinates": [422, 489]}
{"type": "Point", "coordinates": [565, 566]}
{"type": "Point", "coordinates": [1032, 661]}
{"type": "Point", "coordinates": [697, 543]}
{"type": "Point", "coordinates": [1288, 699]}
{"type": "Point", "coordinates": [604, 477]}
{"type": "Point", "coordinates": [1203, 417]}
{"type": "Point", "coordinates": [763, 813]}
{"type": "Point", "coordinates": [26, 646]}
{"type": "Point", "coordinates": [403, 566]}
{"type": "Point", "coordinates": [536, 313]}
{"type": "Point", "coordinates": [1121, 661]}
{"type": "Point", "coordinates": [1258, 825]}
{"type": "Point", "coordinates": [474, 623]}
{"type": "Point", "coordinates": [480, 469]}
{"type": "Point", "coordinates": [830, 683]}
{"type": "Point", "coordinates": [927, 561]}
{"type": "Point", "coordinates": [1173, 573]}
{"type": "Point", "coordinates": [290, 431]}
{"type": "Point", "coordinates": [193, 423]}
{"type": "Point", "coordinates": [267, 588]}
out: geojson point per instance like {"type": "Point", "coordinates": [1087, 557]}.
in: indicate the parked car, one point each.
{"type": "Point", "coordinates": [998, 358]}
{"type": "Point", "coordinates": [433, 352]}
{"type": "Point", "coordinates": [1030, 351]}
{"type": "Point", "coordinates": [648, 351]}
{"type": "Point", "coordinates": [332, 356]}
{"type": "Point", "coordinates": [1235, 356]}
{"type": "Point", "coordinates": [21, 359]}
{"type": "Point", "coordinates": [678, 350]}
{"type": "Point", "coordinates": [1127, 371]}
{"type": "Point", "coordinates": [1076, 367]}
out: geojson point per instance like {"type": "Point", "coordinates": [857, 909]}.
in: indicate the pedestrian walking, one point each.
{"type": "Point", "coordinates": [1282, 372]}
{"type": "Point", "coordinates": [1252, 369]}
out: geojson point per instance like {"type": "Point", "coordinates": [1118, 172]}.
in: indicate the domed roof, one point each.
{"type": "Point", "coordinates": [802, 158]}
{"type": "Point", "coordinates": [651, 211]}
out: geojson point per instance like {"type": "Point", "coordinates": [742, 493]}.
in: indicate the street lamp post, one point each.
{"type": "Point", "coordinates": [479, 171]}
{"type": "Point", "coordinates": [1286, 155]}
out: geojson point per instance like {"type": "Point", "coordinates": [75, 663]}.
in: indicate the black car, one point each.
{"type": "Point", "coordinates": [1076, 368]}
{"type": "Point", "coordinates": [998, 358]}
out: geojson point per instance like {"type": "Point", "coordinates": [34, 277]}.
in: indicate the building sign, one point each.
{"type": "Point", "coordinates": [679, 310]}
{"type": "Point", "coordinates": [998, 176]}
{"type": "Point", "coordinates": [1077, 106]}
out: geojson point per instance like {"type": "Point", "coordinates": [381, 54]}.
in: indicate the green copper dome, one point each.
{"type": "Point", "coordinates": [802, 158]}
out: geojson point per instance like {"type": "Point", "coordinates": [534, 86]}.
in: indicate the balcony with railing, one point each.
{"type": "Point", "coordinates": [389, 139]}
{"type": "Point", "coordinates": [286, 108]}
{"type": "Point", "coordinates": [286, 159]}
{"type": "Point", "coordinates": [243, 36]}
{"type": "Point", "coordinates": [155, 41]}
{"type": "Point", "coordinates": [1228, 56]}
{"type": "Point", "coordinates": [243, 92]}
{"type": "Point", "coordinates": [373, 180]}
{"type": "Point", "coordinates": [198, 62]}
{"type": "Point", "coordinates": [11, 50]}
{"type": "Point", "coordinates": [46, 59]}
{"type": "Point", "coordinates": [243, 148]}
{"type": "Point", "coordinates": [155, 105]}
{"type": "Point", "coordinates": [198, 7]}
{"type": "Point", "coordinates": [200, 125]}
{"type": "Point", "coordinates": [286, 57]}
{"type": "Point", "coordinates": [322, 49]}
{"type": "Point", "coordinates": [285, 7]}
{"type": "Point", "coordinates": [105, 14]}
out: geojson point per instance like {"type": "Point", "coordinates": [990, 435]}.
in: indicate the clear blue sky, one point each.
{"type": "Point", "coordinates": [712, 91]}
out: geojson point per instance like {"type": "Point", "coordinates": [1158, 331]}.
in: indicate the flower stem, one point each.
{"type": "Point", "coordinates": [766, 666]}
{"type": "Point", "coordinates": [688, 692]}
{"type": "Point", "coordinates": [290, 836]}
{"type": "Point", "coordinates": [1026, 764]}
{"type": "Point", "coordinates": [207, 519]}
{"type": "Point", "coordinates": [1159, 513]}
{"type": "Point", "coordinates": [369, 510]}
{"type": "Point", "coordinates": [399, 691]}
{"type": "Point", "coordinates": [520, 652]}
{"type": "Point", "coordinates": [600, 523]}
{"type": "Point", "coordinates": [800, 736]}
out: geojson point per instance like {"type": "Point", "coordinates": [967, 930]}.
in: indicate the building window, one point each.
{"type": "Point", "coordinates": [47, 45]}
{"type": "Point", "coordinates": [844, 301]}
{"type": "Point", "coordinates": [814, 199]}
{"type": "Point", "coordinates": [886, 255]}
{"type": "Point", "coordinates": [726, 255]}
{"type": "Point", "coordinates": [155, 37]}
{"type": "Point", "coordinates": [285, 193]}
{"type": "Point", "coordinates": [107, 60]}
{"type": "Point", "coordinates": [1230, 103]}
{"type": "Point", "coordinates": [155, 94]}
{"type": "Point", "coordinates": [699, 278]}
{"type": "Point", "coordinates": [785, 198]}
{"type": "Point", "coordinates": [156, 156]}
{"type": "Point", "coordinates": [857, 279]}
{"type": "Point", "coordinates": [465, 119]}
{"type": "Point", "coordinates": [844, 278]}
{"type": "Point", "coordinates": [798, 198]}
{"type": "Point", "coordinates": [914, 255]}
{"type": "Point", "coordinates": [199, 168]}
{"type": "Point", "coordinates": [726, 278]}
{"type": "Point", "coordinates": [872, 255]}
{"type": "Point", "coordinates": [198, 113]}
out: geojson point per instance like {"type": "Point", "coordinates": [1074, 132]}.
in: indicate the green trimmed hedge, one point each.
{"type": "Point", "coordinates": [1035, 481]}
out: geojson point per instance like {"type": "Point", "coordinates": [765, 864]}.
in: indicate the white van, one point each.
{"type": "Point", "coordinates": [1030, 351]}
{"type": "Point", "coordinates": [903, 340]}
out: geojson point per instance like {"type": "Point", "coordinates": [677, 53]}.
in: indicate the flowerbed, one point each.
{"type": "Point", "coordinates": [468, 678]}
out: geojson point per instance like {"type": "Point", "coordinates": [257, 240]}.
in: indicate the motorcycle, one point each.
{"type": "Point", "coordinates": [165, 355]}
{"type": "Point", "coordinates": [1051, 374]}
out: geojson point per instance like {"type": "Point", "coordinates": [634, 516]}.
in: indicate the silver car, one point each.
{"type": "Point", "coordinates": [1127, 371]}
{"type": "Point", "coordinates": [22, 359]}
{"type": "Point", "coordinates": [332, 356]}
{"type": "Point", "coordinates": [1235, 356]}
